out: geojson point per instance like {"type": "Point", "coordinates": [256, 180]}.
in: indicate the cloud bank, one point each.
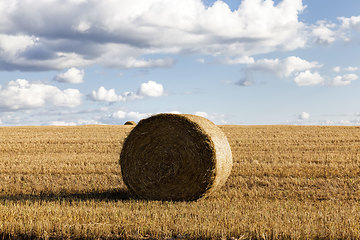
{"type": "Point", "coordinates": [44, 35]}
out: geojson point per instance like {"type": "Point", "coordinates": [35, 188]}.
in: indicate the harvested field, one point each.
{"type": "Point", "coordinates": [287, 182]}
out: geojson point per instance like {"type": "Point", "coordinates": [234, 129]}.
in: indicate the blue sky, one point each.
{"type": "Point", "coordinates": [74, 62]}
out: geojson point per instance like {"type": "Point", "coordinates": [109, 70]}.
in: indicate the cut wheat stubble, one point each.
{"type": "Point", "coordinates": [175, 157]}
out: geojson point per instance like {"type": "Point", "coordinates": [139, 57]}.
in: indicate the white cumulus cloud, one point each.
{"type": "Point", "coordinates": [304, 116]}
{"type": "Point", "coordinates": [283, 67]}
{"type": "Point", "coordinates": [344, 80]}
{"type": "Point", "coordinates": [73, 75]}
{"type": "Point", "coordinates": [307, 78]}
{"type": "Point", "coordinates": [323, 32]}
{"type": "Point", "coordinates": [348, 26]}
{"type": "Point", "coordinates": [289, 66]}
{"type": "Point", "coordinates": [102, 94]}
{"type": "Point", "coordinates": [352, 22]}
{"type": "Point", "coordinates": [151, 89]}
{"type": "Point", "coordinates": [148, 89]}
{"type": "Point", "coordinates": [22, 94]}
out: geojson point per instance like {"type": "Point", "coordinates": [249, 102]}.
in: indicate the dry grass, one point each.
{"type": "Point", "coordinates": [287, 183]}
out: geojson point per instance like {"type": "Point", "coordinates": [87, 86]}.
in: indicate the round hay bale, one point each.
{"type": "Point", "coordinates": [130, 123]}
{"type": "Point", "coordinates": [175, 157]}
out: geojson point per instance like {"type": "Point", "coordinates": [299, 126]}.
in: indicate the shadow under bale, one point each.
{"type": "Point", "coordinates": [111, 195]}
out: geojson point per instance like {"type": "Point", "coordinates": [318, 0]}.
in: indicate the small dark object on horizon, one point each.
{"type": "Point", "coordinates": [130, 123]}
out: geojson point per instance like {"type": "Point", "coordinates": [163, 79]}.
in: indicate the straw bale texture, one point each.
{"type": "Point", "coordinates": [175, 157]}
{"type": "Point", "coordinates": [130, 123]}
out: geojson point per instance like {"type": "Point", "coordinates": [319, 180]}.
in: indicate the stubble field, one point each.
{"type": "Point", "coordinates": [287, 182]}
